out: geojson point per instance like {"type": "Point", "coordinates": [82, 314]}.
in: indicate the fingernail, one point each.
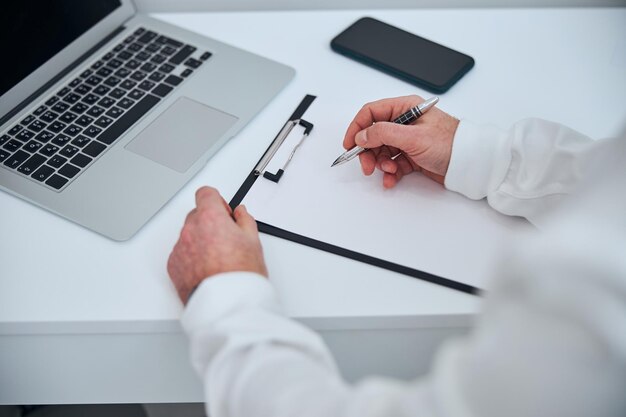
{"type": "Point", "coordinates": [361, 138]}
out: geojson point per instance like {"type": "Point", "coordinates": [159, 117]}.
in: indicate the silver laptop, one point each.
{"type": "Point", "coordinates": [105, 114]}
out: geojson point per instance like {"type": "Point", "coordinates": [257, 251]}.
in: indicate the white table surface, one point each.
{"type": "Point", "coordinates": [59, 281]}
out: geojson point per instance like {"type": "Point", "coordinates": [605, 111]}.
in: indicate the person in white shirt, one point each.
{"type": "Point", "coordinates": [551, 337]}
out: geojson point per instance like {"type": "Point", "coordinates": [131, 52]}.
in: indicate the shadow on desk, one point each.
{"type": "Point", "coordinates": [104, 410]}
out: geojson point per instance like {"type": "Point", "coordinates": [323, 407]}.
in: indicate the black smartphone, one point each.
{"type": "Point", "coordinates": [402, 54]}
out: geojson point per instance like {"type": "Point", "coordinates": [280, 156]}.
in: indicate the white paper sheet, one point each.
{"type": "Point", "coordinates": [418, 223]}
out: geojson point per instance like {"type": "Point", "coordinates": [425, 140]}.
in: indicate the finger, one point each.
{"type": "Point", "coordinates": [368, 162]}
{"type": "Point", "coordinates": [209, 197]}
{"type": "Point", "coordinates": [390, 180]}
{"type": "Point", "coordinates": [190, 215]}
{"type": "Point", "coordinates": [377, 111]}
{"type": "Point", "coordinates": [402, 137]}
{"type": "Point", "coordinates": [245, 220]}
{"type": "Point", "coordinates": [384, 155]}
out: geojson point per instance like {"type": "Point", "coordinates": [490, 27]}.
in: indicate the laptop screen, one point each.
{"type": "Point", "coordinates": [33, 31]}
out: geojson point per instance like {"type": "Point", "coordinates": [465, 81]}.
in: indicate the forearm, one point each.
{"type": "Point", "coordinates": [528, 170]}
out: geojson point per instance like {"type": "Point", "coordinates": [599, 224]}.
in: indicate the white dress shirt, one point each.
{"type": "Point", "coordinates": [550, 341]}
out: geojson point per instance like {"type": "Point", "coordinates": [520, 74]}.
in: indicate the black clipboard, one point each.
{"type": "Point", "coordinates": [294, 119]}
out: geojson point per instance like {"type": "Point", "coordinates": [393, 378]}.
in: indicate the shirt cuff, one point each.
{"type": "Point", "coordinates": [226, 293]}
{"type": "Point", "coordinates": [478, 153]}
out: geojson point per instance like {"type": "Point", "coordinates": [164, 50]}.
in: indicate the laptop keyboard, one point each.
{"type": "Point", "coordinates": [78, 123]}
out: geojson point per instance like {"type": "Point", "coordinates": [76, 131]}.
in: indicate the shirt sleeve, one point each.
{"type": "Point", "coordinates": [549, 342]}
{"type": "Point", "coordinates": [528, 170]}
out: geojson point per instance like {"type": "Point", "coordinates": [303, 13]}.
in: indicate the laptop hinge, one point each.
{"type": "Point", "coordinates": [44, 88]}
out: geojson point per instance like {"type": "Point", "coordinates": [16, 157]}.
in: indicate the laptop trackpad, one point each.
{"type": "Point", "coordinates": [182, 134]}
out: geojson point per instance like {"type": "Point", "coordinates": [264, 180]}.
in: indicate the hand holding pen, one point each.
{"type": "Point", "coordinates": [399, 149]}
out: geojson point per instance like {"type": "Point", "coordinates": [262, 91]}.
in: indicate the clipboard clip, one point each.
{"type": "Point", "coordinates": [282, 135]}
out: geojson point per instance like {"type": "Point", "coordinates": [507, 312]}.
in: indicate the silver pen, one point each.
{"type": "Point", "coordinates": [411, 115]}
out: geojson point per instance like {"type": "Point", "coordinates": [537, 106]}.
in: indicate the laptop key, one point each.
{"type": "Point", "coordinates": [148, 67]}
{"type": "Point", "coordinates": [142, 56]}
{"type": "Point", "coordinates": [128, 84]}
{"type": "Point", "coordinates": [183, 54]}
{"type": "Point", "coordinates": [15, 129]}
{"type": "Point", "coordinates": [60, 107]}
{"type": "Point", "coordinates": [122, 124]}
{"type": "Point", "coordinates": [4, 155]}
{"type": "Point", "coordinates": [173, 80]}
{"type": "Point", "coordinates": [124, 55]}
{"type": "Point", "coordinates": [57, 181]}
{"type": "Point", "coordinates": [71, 98]}
{"type": "Point", "coordinates": [117, 93]}
{"type": "Point", "coordinates": [158, 59]}
{"type": "Point", "coordinates": [136, 94]}
{"type": "Point", "coordinates": [147, 85]}
{"type": "Point", "coordinates": [48, 116]}
{"type": "Point", "coordinates": [63, 91]}
{"type": "Point", "coordinates": [79, 108]}
{"type": "Point", "coordinates": [44, 136]}
{"type": "Point", "coordinates": [126, 103]}
{"type": "Point", "coordinates": [82, 89]}
{"type": "Point", "coordinates": [73, 130]}
{"type": "Point", "coordinates": [12, 145]}
{"type": "Point", "coordinates": [90, 98]}
{"type": "Point", "coordinates": [81, 160]}
{"type": "Point", "coordinates": [138, 75]}
{"type": "Point", "coordinates": [68, 151]}
{"type": "Point", "coordinates": [104, 122]}
{"type": "Point", "coordinates": [16, 159]}
{"type": "Point", "coordinates": [32, 146]}
{"type": "Point", "coordinates": [156, 76]}
{"type": "Point", "coordinates": [81, 141]}
{"type": "Point", "coordinates": [37, 126]}
{"type": "Point", "coordinates": [193, 63]}
{"type": "Point", "coordinates": [114, 112]}
{"type": "Point", "coordinates": [40, 110]}
{"type": "Point", "coordinates": [168, 50]}
{"type": "Point", "coordinates": [24, 135]}
{"type": "Point", "coordinates": [162, 90]}
{"type": "Point", "coordinates": [167, 68]}
{"type": "Point", "coordinates": [93, 80]}
{"type": "Point", "coordinates": [56, 126]}
{"type": "Point", "coordinates": [112, 81]}
{"type": "Point", "coordinates": [95, 111]}
{"type": "Point", "coordinates": [52, 100]}
{"type": "Point", "coordinates": [27, 120]}
{"type": "Point", "coordinates": [147, 37]}
{"type": "Point", "coordinates": [48, 150]}
{"type": "Point", "coordinates": [102, 90]}
{"type": "Point", "coordinates": [205, 56]}
{"type": "Point", "coordinates": [75, 82]}
{"type": "Point", "coordinates": [4, 139]}
{"type": "Point", "coordinates": [169, 41]}
{"type": "Point", "coordinates": [56, 161]}
{"type": "Point", "coordinates": [68, 117]}
{"type": "Point", "coordinates": [43, 173]}
{"type": "Point", "coordinates": [132, 64]}
{"type": "Point", "coordinates": [84, 120]}
{"type": "Point", "coordinates": [123, 72]}
{"type": "Point", "coordinates": [135, 47]}
{"type": "Point", "coordinates": [115, 63]}
{"type": "Point", "coordinates": [104, 72]}
{"type": "Point", "coordinates": [94, 149]}
{"type": "Point", "coordinates": [32, 164]}
{"type": "Point", "coordinates": [61, 140]}
{"type": "Point", "coordinates": [92, 131]}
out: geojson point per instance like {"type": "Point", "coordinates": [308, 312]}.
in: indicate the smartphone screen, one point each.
{"type": "Point", "coordinates": [402, 54]}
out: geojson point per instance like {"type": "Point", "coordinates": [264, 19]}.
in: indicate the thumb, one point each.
{"type": "Point", "coordinates": [245, 220]}
{"type": "Point", "coordinates": [387, 133]}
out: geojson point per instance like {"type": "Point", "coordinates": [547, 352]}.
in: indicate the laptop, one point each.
{"type": "Point", "coordinates": [106, 113]}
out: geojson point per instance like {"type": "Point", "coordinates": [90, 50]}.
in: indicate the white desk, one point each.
{"type": "Point", "coordinates": [86, 319]}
